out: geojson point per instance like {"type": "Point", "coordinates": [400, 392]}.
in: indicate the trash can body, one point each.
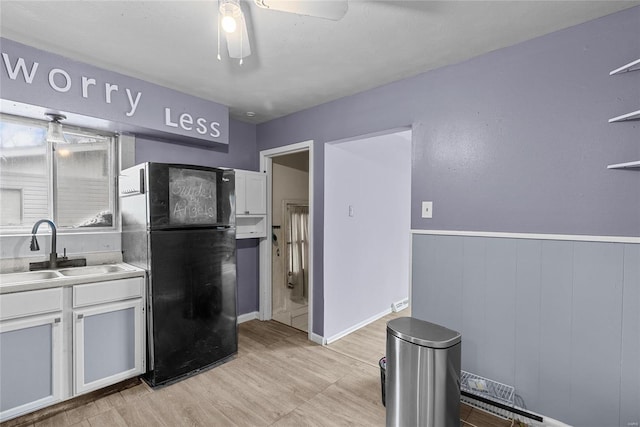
{"type": "Point", "coordinates": [422, 374]}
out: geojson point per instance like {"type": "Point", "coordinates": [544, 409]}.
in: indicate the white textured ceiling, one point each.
{"type": "Point", "coordinates": [297, 61]}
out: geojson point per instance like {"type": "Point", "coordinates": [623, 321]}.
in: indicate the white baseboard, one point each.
{"type": "Point", "coordinates": [357, 326]}
{"type": "Point", "coordinates": [318, 339]}
{"type": "Point", "coordinates": [247, 316]}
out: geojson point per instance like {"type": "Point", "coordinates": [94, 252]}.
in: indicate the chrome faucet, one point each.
{"type": "Point", "coordinates": [53, 256]}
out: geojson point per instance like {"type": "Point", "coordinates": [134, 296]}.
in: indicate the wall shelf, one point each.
{"type": "Point", "coordinates": [251, 226]}
{"type": "Point", "coordinates": [627, 165]}
{"type": "Point", "coordinates": [634, 115]}
{"type": "Point", "coordinates": [631, 66]}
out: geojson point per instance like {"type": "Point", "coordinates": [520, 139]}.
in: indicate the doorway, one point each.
{"type": "Point", "coordinates": [367, 229]}
{"type": "Point", "coordinates": [290, 239]}
{"type": "Point", "coordinates": [286, 255]}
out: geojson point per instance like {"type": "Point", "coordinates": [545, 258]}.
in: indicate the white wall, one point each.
{"type": "Point", "coordinates": [366, 256]}
{"type": "Point", "coordinates": [290, 181]}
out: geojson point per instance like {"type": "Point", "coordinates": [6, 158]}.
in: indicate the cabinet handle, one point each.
{"type": "Point", "coordinates": [80, 316]}
{"type": "Point", "coordinates": [247, 212]}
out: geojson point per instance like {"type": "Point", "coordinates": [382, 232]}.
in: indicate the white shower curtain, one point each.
{"type": "Point", "coordinates": [297, 260]}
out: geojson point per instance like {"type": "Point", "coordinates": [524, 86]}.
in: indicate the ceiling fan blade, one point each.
{"type": "Point", "coordinates": [238, 41]}
{"type": "Point", "coordinates": [328, 9]}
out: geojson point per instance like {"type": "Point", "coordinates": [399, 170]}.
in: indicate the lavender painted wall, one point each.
{"type": "Point", "coordinates": [515, 140]}
{"type": "Point", "coordinates": [247, 259]}
{"type": "Point", "coordinates": [241, 154]}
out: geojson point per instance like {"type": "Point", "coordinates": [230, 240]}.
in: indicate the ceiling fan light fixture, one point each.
{"type": "Point", "coordinates": [230, 14]}
{"type": "Point", "coordinates": [232, 27]}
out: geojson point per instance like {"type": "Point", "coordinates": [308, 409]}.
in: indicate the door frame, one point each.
{"type": "Point", "coordinates": [266, 166]}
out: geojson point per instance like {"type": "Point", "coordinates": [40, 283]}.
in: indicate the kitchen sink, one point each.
{"type": "Point", "coordinates": [28, 276]}
{"type": "Point", "coordinates": [48, 278]}
{"type": "Point", "coordinates": [95, 269]}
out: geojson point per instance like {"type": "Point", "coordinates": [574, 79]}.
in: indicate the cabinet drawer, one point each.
{"type": "Point", "coordinates": [101, 292]}
{"type": "Point", "coordinates": [29, 303]}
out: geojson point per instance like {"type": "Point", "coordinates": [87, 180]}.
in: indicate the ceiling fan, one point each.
{"type": "Point", "coordinates": [233, 23]}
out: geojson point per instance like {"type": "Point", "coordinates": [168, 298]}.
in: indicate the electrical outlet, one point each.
{"type": "Point", "coordinates": [427, 209]}
{"type": "Point", "coordinates": [350, 210]}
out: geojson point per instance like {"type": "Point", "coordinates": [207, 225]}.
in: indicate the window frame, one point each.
{"type": "Point", "coordinates": [113, 142]}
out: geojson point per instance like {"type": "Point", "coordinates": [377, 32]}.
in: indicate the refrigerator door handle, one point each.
{"type": "Point", "coordinates": [142, 181]}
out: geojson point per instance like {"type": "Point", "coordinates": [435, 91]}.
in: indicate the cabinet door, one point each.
{"type": "Point", "coordinates": [256, 194]}
{"type": "Point", "coordinates": [108, 344]}
{"type": "Point", "coordinates": [31, 364]}
{"type": "Point", "coordinates": [240, 193]}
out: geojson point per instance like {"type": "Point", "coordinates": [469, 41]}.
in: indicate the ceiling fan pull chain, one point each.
{"type": "Point", "coordinates": [241, 41]}
{"type": "Point", "coordinates": [219, 17]}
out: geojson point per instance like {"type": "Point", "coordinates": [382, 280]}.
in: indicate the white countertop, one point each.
{"type": "Point", "coordinates": [8, 284]}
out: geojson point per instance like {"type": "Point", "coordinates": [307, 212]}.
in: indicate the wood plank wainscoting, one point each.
{"type": "Point", "coordinates": [279, 378]}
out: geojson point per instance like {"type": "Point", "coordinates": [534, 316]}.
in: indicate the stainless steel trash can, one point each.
{"type": "Point", "coordinates": [422, 374]}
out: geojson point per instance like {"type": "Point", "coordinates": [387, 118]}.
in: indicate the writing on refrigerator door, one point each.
{"type": "Point", "coordinates": [192, 197]}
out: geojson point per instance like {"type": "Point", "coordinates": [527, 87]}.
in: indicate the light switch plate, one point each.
{"type": "Point", "coordinates": [427, 209]}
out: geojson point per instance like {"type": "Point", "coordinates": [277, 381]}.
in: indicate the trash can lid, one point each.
{"type": "Point", "coordinates": [423, 333]}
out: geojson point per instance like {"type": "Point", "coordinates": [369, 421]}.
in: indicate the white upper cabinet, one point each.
{"type": "Point", "coordinates": [251, 193]}
{"type": "Point", "coordinates": [251, 204]}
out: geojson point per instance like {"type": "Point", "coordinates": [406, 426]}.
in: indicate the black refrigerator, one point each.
{"type": "Point", "coordinates": [178, 223]}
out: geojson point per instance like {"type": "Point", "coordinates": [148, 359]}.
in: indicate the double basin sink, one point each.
{"type": "Point", "coordinates": [30, 276]}
{"type": "Point", "coordinates": [12, 282]}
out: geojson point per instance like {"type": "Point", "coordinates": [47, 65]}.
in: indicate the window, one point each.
{"type": "Point", "coordinates": [297, 224]}
{"type": "Point", "coordinates": [71, 183]}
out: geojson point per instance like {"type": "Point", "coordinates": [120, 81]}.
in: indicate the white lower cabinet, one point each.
{"type": "Point", "coordinates": [107, 344]}
{"type": "Point", "coordinates": [108, 333]}
{"type": "Point", "coordinates": [32, 370]}
{"type": "Point", "coordinates": [96, 329]}
{"type": "Point", "coordinates": [31, 364]}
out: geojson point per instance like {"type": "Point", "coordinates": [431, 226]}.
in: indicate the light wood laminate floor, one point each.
{"type": "Point", "coordinates": [279, 378]}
